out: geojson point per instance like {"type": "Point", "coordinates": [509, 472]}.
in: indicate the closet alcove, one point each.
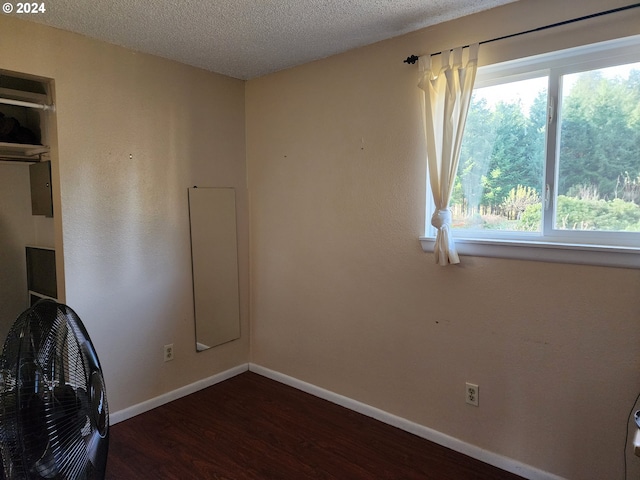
{"type": "Point", "coordinates": [28, 253]}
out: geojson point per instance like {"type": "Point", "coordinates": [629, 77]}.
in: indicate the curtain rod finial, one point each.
{"type": "Point", "coordinates": [411, 60]}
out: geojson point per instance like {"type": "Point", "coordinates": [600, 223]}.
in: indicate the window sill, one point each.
{"type": "Point", "coordinates": [625, 257]}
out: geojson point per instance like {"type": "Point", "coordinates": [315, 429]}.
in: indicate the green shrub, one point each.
{"type": "Point", "coordinates": [580, 214]}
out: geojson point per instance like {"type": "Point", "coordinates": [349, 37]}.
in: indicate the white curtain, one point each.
{"type": "Point", "coordinates": [447, 84]}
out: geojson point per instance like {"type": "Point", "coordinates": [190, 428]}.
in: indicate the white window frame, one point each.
{"type": "Point", "coordinates": [582, 247]}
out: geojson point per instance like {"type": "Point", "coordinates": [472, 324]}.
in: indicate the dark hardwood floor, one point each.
{"type": "Point", "coordinates": [251, 427]}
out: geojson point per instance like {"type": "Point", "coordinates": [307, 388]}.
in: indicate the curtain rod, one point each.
{"type": "Point", "coordinates": [414, 58]}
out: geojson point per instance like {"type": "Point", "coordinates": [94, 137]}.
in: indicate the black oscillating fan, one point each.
{"type": "Point", "coordinates": [54, 420]}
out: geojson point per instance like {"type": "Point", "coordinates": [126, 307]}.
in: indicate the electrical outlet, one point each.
{"type": "Point", "coordinates": [472, 394]}
{"type": "Point", "coordinates": [168, 352]}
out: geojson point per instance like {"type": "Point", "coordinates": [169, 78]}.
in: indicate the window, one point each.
{"type": "Point", "coordinates": [550, 157]}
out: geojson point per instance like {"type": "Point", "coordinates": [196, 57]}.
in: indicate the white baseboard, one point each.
{"type": "Point", "coordinates": [134, 410]}
{"type": "Point", "coordinates": [473, 451]}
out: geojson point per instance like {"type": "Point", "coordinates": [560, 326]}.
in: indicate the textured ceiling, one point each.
{"type": "Point", "coordinates": [250, 38]}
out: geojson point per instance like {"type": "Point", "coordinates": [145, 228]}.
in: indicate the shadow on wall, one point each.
{"type": "Point", "coordinates": [13, 279]}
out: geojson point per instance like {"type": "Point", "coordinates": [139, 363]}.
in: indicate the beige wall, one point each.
{"type": "Point", "coordinates": [133, 133]}
{"type": "Point", "coordinates": [344, 298]}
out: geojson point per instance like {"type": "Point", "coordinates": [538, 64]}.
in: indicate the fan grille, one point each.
{"type": "Point", "coordinates": [53, 408]}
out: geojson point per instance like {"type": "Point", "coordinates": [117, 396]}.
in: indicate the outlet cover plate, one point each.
{"type": "Point", "coordinates": [471, 394]}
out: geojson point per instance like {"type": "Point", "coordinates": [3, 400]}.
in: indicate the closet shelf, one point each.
{"type": "Point", "coordinates": [20, 152]}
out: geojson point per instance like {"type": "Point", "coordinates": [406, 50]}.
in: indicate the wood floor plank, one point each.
{"type": "Point", "coordinates": [250, 427]}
